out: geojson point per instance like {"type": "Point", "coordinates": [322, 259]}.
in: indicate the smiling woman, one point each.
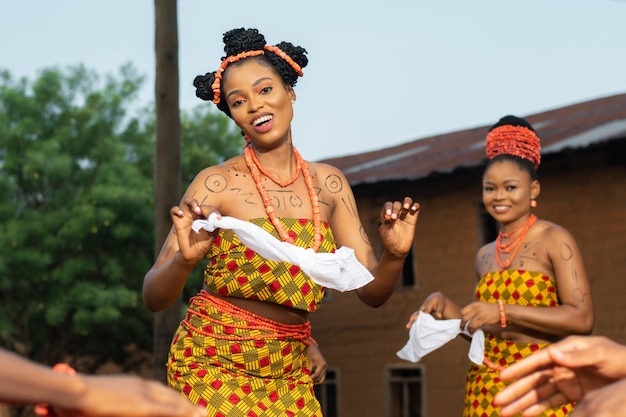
{"type": "Point", "coordinates": [245, 344]}
{"type": "Point", "coordinates": [532, 265]}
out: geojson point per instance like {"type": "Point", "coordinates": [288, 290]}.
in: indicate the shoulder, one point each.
{"type": "Point", "coordinates": [230, 168]}
{"type": "Point", "coordinates": [556, 239]}
{"type": "Point", "coordinates": [323, 168]}
{"type": "Point", "coordinates": [219, 178]}
{"type": "Point", "coordinates": [329, 178]}
{"type": "Point", "coordinates": [551, 231]}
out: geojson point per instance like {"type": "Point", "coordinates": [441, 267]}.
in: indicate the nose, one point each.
{"type": "Point", "coordinates": [254, 104]}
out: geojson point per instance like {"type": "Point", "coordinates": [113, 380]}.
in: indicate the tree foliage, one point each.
{"type": "Point", "coordinates": [76, 217]}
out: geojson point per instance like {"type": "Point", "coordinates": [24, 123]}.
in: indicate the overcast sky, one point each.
{"type": "Point", "coordinates": [380, 73]}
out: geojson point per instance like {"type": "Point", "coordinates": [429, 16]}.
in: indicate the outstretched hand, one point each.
{"type": "Point", "coordinates": [193, 246]}
{"type": "Point", "coordinates": [566, 371]}
{"type": "Point", "coordinates": [126, 396]}
{"type": "Point", "coordinates": [397, 228]}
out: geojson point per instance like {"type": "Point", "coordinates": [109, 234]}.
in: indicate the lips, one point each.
{"type": "Point", "coordinates": [500, 209]}
{"type": "Point", "coordinates": [262, 123]}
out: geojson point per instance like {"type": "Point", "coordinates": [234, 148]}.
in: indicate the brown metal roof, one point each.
{"type": "Point", "coordinates": [575, 126]}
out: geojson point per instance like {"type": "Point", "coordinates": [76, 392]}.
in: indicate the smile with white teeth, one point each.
{"type": "Point", "coordinates": [263, 119]}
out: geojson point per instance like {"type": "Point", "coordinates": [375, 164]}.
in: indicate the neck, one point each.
{"type": "Point", "coordinates": [281, 173]}
{"type": "Point", "coordinates": [509, 228]}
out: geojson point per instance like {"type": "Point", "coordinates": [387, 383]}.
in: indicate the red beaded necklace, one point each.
{"type": "Point", "coordinates": [275, 180]}
{"type": "Point", "coordinates": [514, 244]}
{"type": "Point", "coordinates": [301, 166]}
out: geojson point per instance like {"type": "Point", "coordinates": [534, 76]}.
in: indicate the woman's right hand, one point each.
{"type": "Point", "coordinates": [434, 304]}
{"type": "Point", "coordinates": [193, 246]}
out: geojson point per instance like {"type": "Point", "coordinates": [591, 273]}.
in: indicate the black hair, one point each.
{"type": "Point", "coordinates": [511, 120]}
{"type": "Point", "coordinates": [241, 40]}
{"type": "Point", "coordinates": [522, 163]}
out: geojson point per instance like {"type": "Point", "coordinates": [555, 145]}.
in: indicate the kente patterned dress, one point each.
{"type": "Point", "coordinates": [513, 287]}
{"type": "Point", "coordinates": [236, 363]}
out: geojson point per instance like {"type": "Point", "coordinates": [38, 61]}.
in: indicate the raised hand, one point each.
{"type": "Point", "coordinates": [397, 228]}
{"type": "Point", "coordinates": [193, 246]}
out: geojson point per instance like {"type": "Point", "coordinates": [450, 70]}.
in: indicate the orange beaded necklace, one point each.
{"type": "Point", "coordinates": [515, 243]}
{"type": "Point", "coordinates": [301, 166]}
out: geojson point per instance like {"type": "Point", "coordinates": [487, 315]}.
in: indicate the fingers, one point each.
{"type": "Point", "coordinates": [518, 390]}
{"type": "Point", "coordinates": [412, 319]}
{"type": "Point", "coordinates": [535, 362]}
{"type": "Point", "coordinates": [191, 208]}
{"type": "Point", "coordinates": [165, 402]}
{"type": "Point", "coordinates": [399, 209]}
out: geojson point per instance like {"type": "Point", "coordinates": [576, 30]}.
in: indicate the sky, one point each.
{"type": "Point", "coordinates": [380, 73]}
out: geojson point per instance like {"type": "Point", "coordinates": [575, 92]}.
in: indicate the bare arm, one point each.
{"type": "Point", "coordinates": [397, 230]}
{"type": "Point", "coordinates": [559, 257]}
{"type": "Point", "coordinates": [25, 382]}
{"type": "Point", "coordinates": [574, 315]}
{"type": "Point", "coordinates": [182, 250]}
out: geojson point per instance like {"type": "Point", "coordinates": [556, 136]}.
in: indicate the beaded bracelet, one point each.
{"type": "Point", "coordinates": [44, 409]}
{"type": "Point", "coordinates": [502, 314]}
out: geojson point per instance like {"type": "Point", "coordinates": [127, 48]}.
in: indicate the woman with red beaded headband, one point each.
{"type": "Point", "coordinates": [245, 344]}
{"type": "Point", "coordinates": [531, 284]}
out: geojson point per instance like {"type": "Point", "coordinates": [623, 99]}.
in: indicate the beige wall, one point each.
{"type": "Point", "coordinates": [584, 191]}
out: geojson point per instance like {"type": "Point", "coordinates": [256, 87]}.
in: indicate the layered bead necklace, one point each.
{"type": "Point", "coordinates": [514, 244]}
{"type": "Point", "coordinates": [256, 169]}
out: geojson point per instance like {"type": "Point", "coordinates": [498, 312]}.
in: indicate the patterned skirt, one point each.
{"type": "Point", "coordinates": [235, 363]}
{"type": "Point", "coordinates": [483, 383]}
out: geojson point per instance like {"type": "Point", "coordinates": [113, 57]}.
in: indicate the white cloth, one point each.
{"type": "Point", "coordinates": [427, 334]}
{"type": "Point", "coordinates": [339, 270]}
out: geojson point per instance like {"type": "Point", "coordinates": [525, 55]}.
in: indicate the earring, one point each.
{"type": "Point", "coordinates": [533, 203]}
{"type": "Point", "coordinates": [293, 101]}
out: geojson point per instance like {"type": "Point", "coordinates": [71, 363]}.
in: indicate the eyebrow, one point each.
{"type": "Point", "coordinates": [254, 84]}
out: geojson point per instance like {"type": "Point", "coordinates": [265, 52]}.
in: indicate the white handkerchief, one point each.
{"type": "Point", "coordinates": [340, 270]}
{"type": "Point", "coordinates": [427, 334]}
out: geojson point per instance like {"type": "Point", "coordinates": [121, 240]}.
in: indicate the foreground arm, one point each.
{"type": "Point", "coordinates": [566, 371]}
{"type": "Point", "coordinates": [26, 382]}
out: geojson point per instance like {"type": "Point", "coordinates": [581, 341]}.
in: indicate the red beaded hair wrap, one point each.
{"type": "Point", "coordinates": [514, 140]}
{"type": "Point", "coordinates": [216, 86]}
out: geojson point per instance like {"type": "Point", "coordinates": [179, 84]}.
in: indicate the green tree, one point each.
{"type": "Point", "coordinates": [76, 211]}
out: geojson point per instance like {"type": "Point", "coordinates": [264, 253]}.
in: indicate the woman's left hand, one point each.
{"type": "Point", "coordinates": [478, 314]}
{"type": "Point", "coordinates": [317, 364]}
{"type": "Point", "coordinates": [397, 228]}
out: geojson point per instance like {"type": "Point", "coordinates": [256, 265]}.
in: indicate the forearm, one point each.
{"type": "Point", "coordinates": [26, 382]}
{"type": "Point", "coordinates": [386, 275]}
{"type": "Point", "coordinates": [559, 321]}
{"type": "Point", "coordinates": [164, 283]}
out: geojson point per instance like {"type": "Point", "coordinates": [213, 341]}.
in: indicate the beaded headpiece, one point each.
{"type": "Point", "coordinates": [216, 86]}
{"type": "Point", "coordinates": [518, 141]}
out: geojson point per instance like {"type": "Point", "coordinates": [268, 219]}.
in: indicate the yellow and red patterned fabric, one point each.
{"type": "Point", "coordinates": [513, 287]}
{"type": "Point", "coordinates": [234, 270]}
{"type": "Point", "coordinates": [235, 363]}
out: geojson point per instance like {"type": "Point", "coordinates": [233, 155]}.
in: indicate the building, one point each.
{"type": "Point", "coordinates": [583, 179]}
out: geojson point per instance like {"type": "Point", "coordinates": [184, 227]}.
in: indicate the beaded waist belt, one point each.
{"type": "Point", "coordinates": [252, 325]}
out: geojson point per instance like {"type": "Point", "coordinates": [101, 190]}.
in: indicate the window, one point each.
{"type": "Point", "coordinates": [408, 274]}
{"type": "Point", "coordinates": [405, 392]}
{"type": "Point", "coordinates": [327, 394]}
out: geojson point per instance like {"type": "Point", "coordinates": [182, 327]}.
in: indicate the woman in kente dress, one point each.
{"type": "Point", "coordinates": [532, 288]}
{"type": "Point", "coordinates": [244, 345]}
